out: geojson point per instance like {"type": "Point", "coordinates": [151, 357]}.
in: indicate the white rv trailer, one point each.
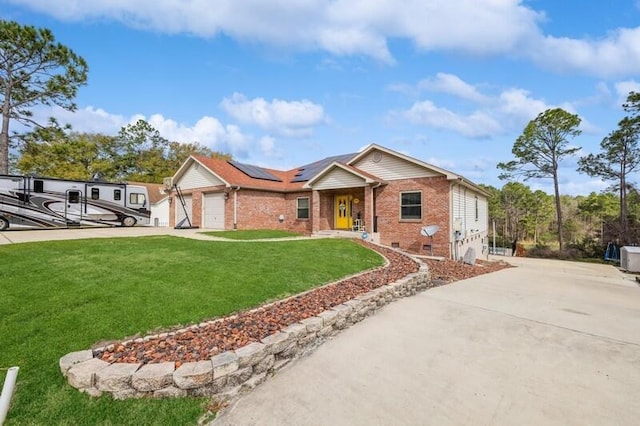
{"type": "Point", "coordinates": [36, 202]}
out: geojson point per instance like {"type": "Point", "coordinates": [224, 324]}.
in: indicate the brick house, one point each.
{"type": "Point", "coordinates": [387, 195]}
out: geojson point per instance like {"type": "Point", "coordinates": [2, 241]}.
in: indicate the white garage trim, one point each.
{"type": "Point", "coordinates": [213, 211]}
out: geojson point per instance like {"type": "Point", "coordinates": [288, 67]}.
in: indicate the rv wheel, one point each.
{"type": "Point", "coordinates": [4, 223]}
{"type": "Point", "coordinates": [128, 221]}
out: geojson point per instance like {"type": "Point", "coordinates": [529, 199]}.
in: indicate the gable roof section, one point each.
{"type": "Point", "coordinates": [373, 147]}
{"type": "Point", "coordinates": [362, 178]}
{"type": "Point", "coordinates": [438, 170]}
{"type": "Point", "coordinates": [201, 161]}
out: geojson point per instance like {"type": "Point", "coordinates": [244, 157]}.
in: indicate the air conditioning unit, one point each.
{"type": "Point", "coordinates": [630, 258]}
{"type": "Point", "coordinates": [168, 183]}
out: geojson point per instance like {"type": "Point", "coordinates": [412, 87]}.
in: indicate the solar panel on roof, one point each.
{"type": "Point", "coordinates": [308, 171]}
{"type": "Point", "coordinates": [254, 171]}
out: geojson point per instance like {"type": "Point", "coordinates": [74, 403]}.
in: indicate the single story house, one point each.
{"type": "Point", "coordinates": [385, 195]}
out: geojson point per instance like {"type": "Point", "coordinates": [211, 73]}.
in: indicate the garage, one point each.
{"type": "Point", "coordinates": [188, 201]}
{"type": "Point", "coordinates": [213, 211]}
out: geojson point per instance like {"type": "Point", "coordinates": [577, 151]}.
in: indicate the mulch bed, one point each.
{"type": "Point", "coordinates": [202, 343]}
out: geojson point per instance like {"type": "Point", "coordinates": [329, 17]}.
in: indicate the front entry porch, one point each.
{"type": "Point", "coordinates": [345, 210]}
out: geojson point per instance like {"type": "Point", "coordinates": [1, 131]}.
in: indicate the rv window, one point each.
{"type": "Point", "coordinates": [38, 186]}
{"type": "Point", "coordinates": [74, 197]}
{"type": "Point", "coordinates": [137, 198]}
{"type": "Point", "coordinates": [95, 193]}
{"type": "Point", "coordinates": [117, 195]}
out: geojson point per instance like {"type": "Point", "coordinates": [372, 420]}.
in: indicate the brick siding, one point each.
{"type": "Point", "coordinates": [262, 209]}
{"type": "Point", "coordinates": [406, 233]}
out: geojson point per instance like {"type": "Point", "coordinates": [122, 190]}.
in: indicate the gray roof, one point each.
{"type": "Point", "coordinates": [308, 171]}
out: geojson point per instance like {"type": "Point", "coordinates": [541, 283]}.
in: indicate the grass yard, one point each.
{"type": "Point", "coordinates": [252, 234]}
{"type": "Point", "coordinates": [63, 296]}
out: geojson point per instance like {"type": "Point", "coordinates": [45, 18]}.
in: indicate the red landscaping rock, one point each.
{"type": "Point", "coordinates": [206, 341]}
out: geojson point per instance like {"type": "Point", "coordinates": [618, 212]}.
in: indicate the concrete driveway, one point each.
{"type": "Point", "coordinates": [28, 236]}
{"type": "Point", "coordinates": [545, 343]}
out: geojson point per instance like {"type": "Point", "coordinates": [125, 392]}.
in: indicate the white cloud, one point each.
{"type": "Point", "coordinates": [362, 27]}
{"type": "Point", "coordinates": [267, 146]}
{"type": "Point", "coordinates": [507, 111]}
{"type": "Point", "coordinates": [208, 131]}
{"type": "Point", "coordinates": [616, 54]}
{"type": "Point", "coordinates": [287, 118]}
{"type": "Point", "coordinates": [475, 125]}
{"type": "Point", "coordinates": [453, 85]}
{"type": "Point", "coordinates": [88, 119]}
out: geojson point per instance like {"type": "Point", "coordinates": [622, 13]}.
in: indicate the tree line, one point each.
{"type": "Point", "coordinates": [518, 213]}
{"type": "Point", "coordinates": [138, 153]}
{"type": "Point", "coordinates": [538, 152]}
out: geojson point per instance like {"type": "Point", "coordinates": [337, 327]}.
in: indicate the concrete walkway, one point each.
{"type": "Point", "coordinates": [546, 343]}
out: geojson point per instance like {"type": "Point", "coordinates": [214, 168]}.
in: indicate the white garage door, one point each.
{"type": "Point", "coordinates": [213, 211]}
{"type": "Point", "coordinates": [180, 211]}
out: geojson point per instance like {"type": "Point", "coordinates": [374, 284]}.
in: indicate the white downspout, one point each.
{"type": "Point", "coordinates": [235, 206]}
{"type": "Point", "coordinates": [7, 392]}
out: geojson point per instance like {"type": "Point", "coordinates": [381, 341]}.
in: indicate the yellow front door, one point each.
{"type": "Point", "coordinates": [343, 212]}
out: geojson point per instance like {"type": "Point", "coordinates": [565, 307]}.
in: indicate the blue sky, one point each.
{"type": "Point", "coordinates": [282, 83]}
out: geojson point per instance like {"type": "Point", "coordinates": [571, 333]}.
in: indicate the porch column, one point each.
{"type": "Point", "coordinates": [315, 211]}
{"type": "Point", "coordinates": [368, 209]}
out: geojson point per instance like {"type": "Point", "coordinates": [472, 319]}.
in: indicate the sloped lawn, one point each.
{"type": "Point", "coordinates": [252, 234]}
{"type": "Point", "coordinates": [62, 296]}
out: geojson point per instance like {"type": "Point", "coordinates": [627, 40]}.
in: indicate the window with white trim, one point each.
{"type": "Point", "coordinates": [302, 208]}
{"type": "Point", "coordinates": [411, 205]}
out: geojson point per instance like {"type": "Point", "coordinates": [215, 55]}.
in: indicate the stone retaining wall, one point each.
{"type": "Point", "coordinates": [226, 375]}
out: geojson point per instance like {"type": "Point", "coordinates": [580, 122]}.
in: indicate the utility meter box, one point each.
{"type": "Point", "coordinates": [630, 258]}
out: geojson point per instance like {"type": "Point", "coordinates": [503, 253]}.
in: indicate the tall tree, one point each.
{"type": "Point", "coordinates": [142, 153]}
{"type": "Point", "coordinates": [543, 144]}
{"type": "Point", "coordinates": [146, 156]}
{"type": "Point", "coordinates": [34, 70]}
{"type": "Point", "coordinates": [618, 159]}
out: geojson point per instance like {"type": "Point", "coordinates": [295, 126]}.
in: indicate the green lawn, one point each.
{"type": "Point", "coordinates": [252, 234]}
{"type": "Point", "coordinates": [63, 296]}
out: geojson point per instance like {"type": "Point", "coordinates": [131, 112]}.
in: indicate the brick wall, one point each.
{"type": "Point", "coordinates": [326, 211]}
{"type": "Point", "coordinates": [406, 233]}
{"type": "Point", "coordinates": [262, 210]}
